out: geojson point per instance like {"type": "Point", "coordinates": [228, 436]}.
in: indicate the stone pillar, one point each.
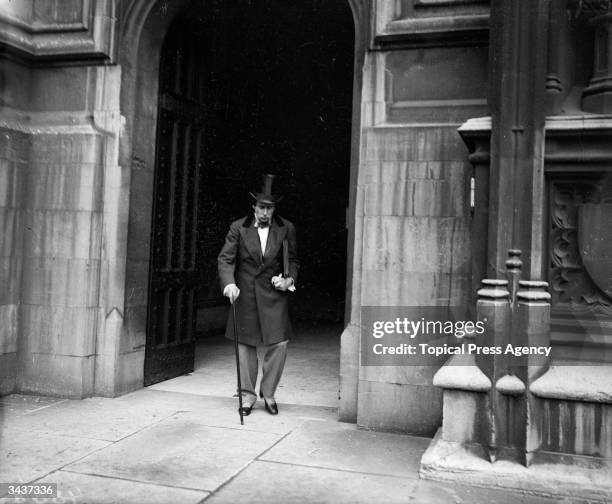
{"type": "Point", "coordinates": [532, 329]}
{"type": "Point", "coordinates": [75, 230]}
{"type": "Point", "coordinates": [517, 313]}
{"type": "Point", "coordinates": [493, 308]}
{"type": "Point", "coordinates": [59, 161]}
{"type": "Point", "coordinates": [597, 96]}
{"type": "Point", "coordinates": [14, 160]}
{"type": "Point", "coordinates": [518, 59]}
{"type": "Point", "coordinates": [560, 58]}
{"type": "Point", "coordinates": [13, 163]}
{"type": "Point", "coordinates": [522, 73]}
{"type": "Point", "coordinates": [504, 419]}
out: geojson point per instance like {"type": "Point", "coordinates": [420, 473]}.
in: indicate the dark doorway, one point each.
{"type": "Point", "coordinates": [280, 76]}
{"type": "Point", "coordinates": [276, 97]}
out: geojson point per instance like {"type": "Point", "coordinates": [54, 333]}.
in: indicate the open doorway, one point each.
{"type": "Point", "coordinates": [275, 81]}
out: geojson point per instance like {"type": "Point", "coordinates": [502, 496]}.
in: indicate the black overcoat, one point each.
{"type": "Point", "coordinates": [262, 311]}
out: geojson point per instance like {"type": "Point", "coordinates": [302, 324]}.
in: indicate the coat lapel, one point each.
{"type": "Point", "coordinates": [251, 241]}
{"type": "Point", "coordinates": [275, 238]}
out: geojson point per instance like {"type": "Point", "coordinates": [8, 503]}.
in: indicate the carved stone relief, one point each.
{"type": "Point", "coordinates": [575, 285]}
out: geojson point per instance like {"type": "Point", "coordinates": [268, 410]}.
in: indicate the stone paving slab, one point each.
{"type": "Point", "coordinates": [223, 412]}
{"type": "Point", "coordinates": [112, 419]}
{"type": "Point", "coordinates": [93, 418]}
{"type": "Point", "coordinates": [344, 446]}
{"type": "Point", "coordinates": [25, 456]}
{"type": "Point", "coordinates": [97, 489]}
{"type": "Point", "coordinates": [178, 453]}
{"type": "Point", "coordinates": [20, 404]}
{"type": "Point", "coordinates": [225, 407]}
{"type": "Point", "coordinates": [272, 483]}
{"type": "Point", "coordinates": [83, 488]}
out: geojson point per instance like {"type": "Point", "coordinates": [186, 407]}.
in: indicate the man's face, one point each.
{"type": "Point", "coordinates": [263, 212]}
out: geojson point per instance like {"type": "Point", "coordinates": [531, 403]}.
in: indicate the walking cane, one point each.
{"type": "Point", "coordinates": [237, 362]}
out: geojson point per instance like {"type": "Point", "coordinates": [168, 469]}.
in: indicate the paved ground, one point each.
{"type": "Point", "coordinates": [181, 441]}
{"type": "Point", "coordinates": [154, 446]}
{"type": "Point", "coordinates": [310, 376]}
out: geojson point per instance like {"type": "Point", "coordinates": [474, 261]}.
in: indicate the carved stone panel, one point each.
{"type": "Point", "coordinates": [580, 266]}
{"type": "Point", "coordinates": [572, 284]}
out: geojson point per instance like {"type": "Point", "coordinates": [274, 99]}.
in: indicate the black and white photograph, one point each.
{"type": "Point", "coordinates": [306, 251]}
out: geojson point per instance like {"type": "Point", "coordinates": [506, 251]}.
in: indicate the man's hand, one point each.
{"type": "Point", "coordinates": [281, 283]}
{"type": "Point", "coordinates": [232, 292]}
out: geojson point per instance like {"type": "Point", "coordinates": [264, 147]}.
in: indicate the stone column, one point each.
{"type": "Point", "coordinates": [13, 164]}
{"type": "Point", "coordinates": [532, 329]}
{"type": "Point", "coordinates": [560, 58]}
{"type": "Point", "coordinates": [518, 59]}
{"type": "Point", "coordinates": [58, 162]}
{"type": "Point", "coordinates": [493, 308]}
{"type": "Point", "coordinates": [597, 96]}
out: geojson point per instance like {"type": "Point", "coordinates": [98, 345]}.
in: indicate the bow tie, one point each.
{"type": "Point", "coordinates": [261, 224]}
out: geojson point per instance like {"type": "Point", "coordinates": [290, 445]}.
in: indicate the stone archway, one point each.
{"type": "Point", "coordinates": [143, 27]}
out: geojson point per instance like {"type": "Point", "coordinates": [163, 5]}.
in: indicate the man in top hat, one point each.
{"type": "Point", "coordinates": [251, 270]}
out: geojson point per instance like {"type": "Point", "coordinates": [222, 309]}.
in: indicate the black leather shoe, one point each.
{"type": "Point", "coordinates": [271, 407]}
{"type": "Point", "coordinates": [246, 410]}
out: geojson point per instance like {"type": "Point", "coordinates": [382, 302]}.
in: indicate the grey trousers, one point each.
{"type": "Point", "coordinates": [272, 369]}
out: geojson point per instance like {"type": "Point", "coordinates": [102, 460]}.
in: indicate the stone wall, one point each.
{"type": "Point", "coordinates": [60, 125]}
{"type": "Point", "coordinates": [412, 213]}
{"type": "Point", "coordinates": [13, 165]}
{"type": "Point", "coordinates": [61, 266]}
{"type": "Point", "coordinates": [14, 157]}
{"type": "Point", "coordinates": [57, 162]}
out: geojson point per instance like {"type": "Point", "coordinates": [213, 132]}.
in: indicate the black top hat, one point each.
{"type": "Point", "coordinates": [266, 195]}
